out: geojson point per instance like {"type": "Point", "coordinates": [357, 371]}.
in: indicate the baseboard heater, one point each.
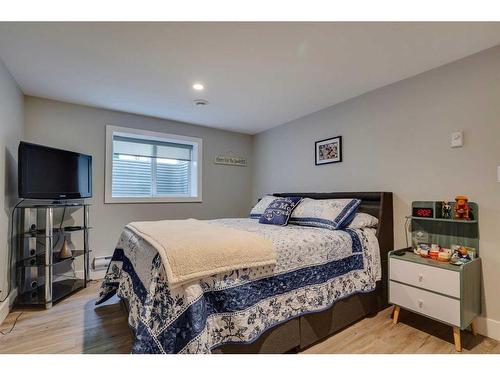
{"type": "Point", "coordinates": [101, 263]}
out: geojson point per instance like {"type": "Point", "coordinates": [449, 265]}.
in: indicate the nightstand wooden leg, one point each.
{"type": "Point", "coordinates": [473, 327]}
{"type": "Point", "coordinates": [456, 337]}
{"type": "Point", "coordinates": [395, 314]}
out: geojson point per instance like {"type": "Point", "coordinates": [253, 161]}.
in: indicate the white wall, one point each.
{"type": "Point", "coordinates": [226, 189]}
{"type": "Point", "coordinates": [11, 131]}
{"type": "Point", "coordinates": [397, 139]}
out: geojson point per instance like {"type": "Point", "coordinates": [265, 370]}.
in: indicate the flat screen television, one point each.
{"type": "Point", "coordinates": [50, 173]}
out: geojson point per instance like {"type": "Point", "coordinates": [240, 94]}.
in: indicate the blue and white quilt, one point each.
{"type": "Point", "coordinates": [315, 268]}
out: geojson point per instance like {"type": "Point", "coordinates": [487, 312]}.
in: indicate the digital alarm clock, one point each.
{"type": "Point", "coordinates": [423, 212]}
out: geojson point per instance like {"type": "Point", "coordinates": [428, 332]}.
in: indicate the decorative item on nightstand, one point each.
{"type": "Point", "coordinates": [447, 291]}
{"type": "Point", "coordinates": [446, 210]}
{"type": "Point", "coordinates": [462, 208]}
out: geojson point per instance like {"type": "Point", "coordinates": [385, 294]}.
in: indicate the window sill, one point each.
{"type": "Point", "coordinates": [154, 200]}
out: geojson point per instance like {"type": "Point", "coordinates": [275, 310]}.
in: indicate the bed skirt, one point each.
{"type": "Point", "coordinates": [306, 330]}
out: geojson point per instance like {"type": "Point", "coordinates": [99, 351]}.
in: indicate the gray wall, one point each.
{"type": "Point", "coordinates": [11, 131]}
{"type": "Point", "coordinates": [397, 139]}
{"type": "Point", "coordinates": [226, 189]}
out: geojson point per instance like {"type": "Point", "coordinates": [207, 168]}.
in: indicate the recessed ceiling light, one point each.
{"type": "Point", "coordinates": [198, 86]}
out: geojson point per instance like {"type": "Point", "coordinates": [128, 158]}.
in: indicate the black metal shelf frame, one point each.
{"type": "Point", "coordinates": [38, 259]}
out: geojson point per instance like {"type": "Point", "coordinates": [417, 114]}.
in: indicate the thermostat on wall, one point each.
{"type": "Point", "coordinates": [457, 139]}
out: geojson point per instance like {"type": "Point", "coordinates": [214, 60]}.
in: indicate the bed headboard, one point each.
{"type": "Point", "coordinates": [378, 204]}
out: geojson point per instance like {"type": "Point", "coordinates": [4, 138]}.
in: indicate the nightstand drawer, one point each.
{"type": "Point", "coordinates": [427, 303]}
{"type": "Point", "coordinates": [427, 277]}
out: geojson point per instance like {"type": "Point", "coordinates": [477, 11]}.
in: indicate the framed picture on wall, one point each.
{"type": "Point", "coordinates": [328, 151]}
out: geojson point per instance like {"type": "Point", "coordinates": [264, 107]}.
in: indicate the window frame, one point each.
{"type": "Point", "coordinates": [197, 158]}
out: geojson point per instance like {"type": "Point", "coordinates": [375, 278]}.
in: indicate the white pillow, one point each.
{"type": "Point", "coordinates": [363, 220]}
{"type": "Point", "coordinates": [260, 207]}
{"type": "Point", "coordinates": [325, 213]}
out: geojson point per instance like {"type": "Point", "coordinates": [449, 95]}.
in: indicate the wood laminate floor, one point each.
{"type": "Point", "coordinates": [75, 325]}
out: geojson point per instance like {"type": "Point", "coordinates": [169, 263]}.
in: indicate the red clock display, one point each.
{"type": "Point", "coordinates": [423, 212]}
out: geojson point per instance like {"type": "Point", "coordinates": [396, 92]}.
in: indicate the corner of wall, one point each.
{"type": "Point", "coordinates": [11, 132]}
{"type": "Point", "coordinates": [488, 327]}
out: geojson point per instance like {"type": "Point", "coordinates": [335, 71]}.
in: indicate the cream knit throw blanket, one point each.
{"type": "Point", "coordinates": [192, 249]}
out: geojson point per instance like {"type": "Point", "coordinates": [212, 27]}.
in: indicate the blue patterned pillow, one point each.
{"type": "Point", "coordinates": [279, 211]}
{"type": "Point", "coordinates": [325, 213]}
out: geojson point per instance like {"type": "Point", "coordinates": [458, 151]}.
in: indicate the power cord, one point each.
{"type": "Point", "coordinates": [407, 229]}
{"type": "Point", "coordinates": [62, 219]}
{"type": "Point", "coordinates": [59, 233]}
{"type": "Point", "coordinates": [5, 333]}
{"type": "Point", "coordinates": [11, 251]}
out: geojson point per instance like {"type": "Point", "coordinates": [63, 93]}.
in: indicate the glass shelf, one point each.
{"type": "Point", "coordinates": [55, 232]}
{"type": "Point", "coordinates": [60, 289]}
{"type": "Point", "coordinates": [39, 260]}
{"type": "Point", "coordinates": [27, 203]}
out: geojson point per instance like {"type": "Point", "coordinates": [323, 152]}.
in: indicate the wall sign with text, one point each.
{"type": "Point", "coordinates": [230, 160]}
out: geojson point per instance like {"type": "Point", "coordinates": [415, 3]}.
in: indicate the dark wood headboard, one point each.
{"type": "Point", "coordinates": [378, 204]}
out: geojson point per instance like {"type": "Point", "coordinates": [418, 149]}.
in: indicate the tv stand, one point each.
{"type": "Point", "coordinates": [54, 203]}
{"type": "Point", "coordinates": [43, 275]}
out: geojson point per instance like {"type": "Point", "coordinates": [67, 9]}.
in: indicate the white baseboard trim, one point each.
{"type": "Point", "coordinates": [6, 305]}
{"type": "Point", "coordinates": [488, 327]}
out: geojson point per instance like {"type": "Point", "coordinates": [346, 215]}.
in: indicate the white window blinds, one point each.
{"type": "Point", "coordinates": [150, 168]}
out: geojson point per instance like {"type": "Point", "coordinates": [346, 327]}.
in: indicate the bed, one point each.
{"type": "Point", "coordinates": [322, 281]}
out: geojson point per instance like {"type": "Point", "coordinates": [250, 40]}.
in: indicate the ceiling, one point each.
{"type": "Point", "coordinates": [256, 75]}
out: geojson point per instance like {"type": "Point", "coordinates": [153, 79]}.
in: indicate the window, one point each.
{"type": "Point", "coordinates": [143, 166]}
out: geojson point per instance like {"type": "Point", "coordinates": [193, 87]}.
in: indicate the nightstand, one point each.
{"type": "Point", "coordinates": [441, 291]}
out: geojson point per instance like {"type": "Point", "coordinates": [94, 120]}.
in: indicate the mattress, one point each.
{"type": "Point", "coordinates": [315, 268]}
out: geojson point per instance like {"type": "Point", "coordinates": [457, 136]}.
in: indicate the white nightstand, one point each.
{"type": "Point", "coordinates": [441, 291]}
